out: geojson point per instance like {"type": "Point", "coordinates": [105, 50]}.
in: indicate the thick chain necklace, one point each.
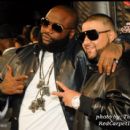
{"type": "Point", "coordinates": [43, 86]}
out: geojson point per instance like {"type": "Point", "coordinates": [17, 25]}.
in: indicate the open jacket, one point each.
{"type": "Point", "coordinates": [105, 100]}
{"type": "Point", "coordinates": [69, 67]}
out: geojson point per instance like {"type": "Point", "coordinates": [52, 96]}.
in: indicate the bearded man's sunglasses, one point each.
{"type": "Point", "coordinates": [55, 26]}
{"type": "Point", "coordinates": [91, 35]}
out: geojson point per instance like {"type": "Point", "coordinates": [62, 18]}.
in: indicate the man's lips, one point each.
{"type": "Point", "coordinates": [89, 47]}
{"type": "Point", "coordinates": [46, 37]}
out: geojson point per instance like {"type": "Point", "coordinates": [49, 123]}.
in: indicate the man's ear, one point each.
{"type": "Point", "coordinates": [72, 33]}
{"type": "Point", "coordinates": [112, 35]}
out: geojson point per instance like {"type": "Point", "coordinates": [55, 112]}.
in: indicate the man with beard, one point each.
{"type": "Point", "coordinates": [30, 76]}
{"type": "Point", "coordinates": [104, 102]}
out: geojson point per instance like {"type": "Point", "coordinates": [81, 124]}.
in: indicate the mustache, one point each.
{"type": "Point", "coordinates": [46, 34]}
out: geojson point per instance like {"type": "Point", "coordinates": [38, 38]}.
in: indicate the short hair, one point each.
{"type": "Point", "coordinates": [104, 18]}
{"type": "Point", "coordinates": [21, 40]}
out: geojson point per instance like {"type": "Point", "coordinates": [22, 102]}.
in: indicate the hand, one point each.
{"type": "Point", "coordinates": [12, 85]}
{"type": "Point", "coordinates": [107, 58]}
{"type": "Point", "coordinates": [66, 95]}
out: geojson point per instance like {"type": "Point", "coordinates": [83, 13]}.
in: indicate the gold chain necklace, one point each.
{"type": "Point", "coordinates": [39, 101]}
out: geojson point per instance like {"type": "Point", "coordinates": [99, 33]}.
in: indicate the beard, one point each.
{"type": "Point", "coordinates": [55, 45]}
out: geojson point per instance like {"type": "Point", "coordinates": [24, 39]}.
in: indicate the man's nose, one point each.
{"type": "Point", "coordinates": [86, 40]}
{"type": "Point", "coordinates": [47, 29]}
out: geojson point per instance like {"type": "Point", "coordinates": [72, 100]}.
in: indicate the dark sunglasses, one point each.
{"type": "Point", "coordinates": [55, 26]}
{"type": "Point", "coordinates": [91, 34]}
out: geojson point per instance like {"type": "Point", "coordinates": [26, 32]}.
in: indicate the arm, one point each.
{"type": "Point", "coordinates": [114, 105]}
{"type": "Point", "coordinates": [111, 111]}
{"type": "Point", "coordinates": [109, 54]}
{"type": "Point", "coordinates": [9, 86]}
{"type": "Point", "coordinates": [12, 85]}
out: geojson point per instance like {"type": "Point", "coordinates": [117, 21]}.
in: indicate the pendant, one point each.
{"type": "Point", "coordinates": [36, 104]}
{"type": "Point", "coordinates": [40, 84]}
{"type": "Point", "coordinates": [46, 90]}
{"type": "Point", "coordinates": [33, 106]}
{"type": "Point", "coordinates": [41, 103]}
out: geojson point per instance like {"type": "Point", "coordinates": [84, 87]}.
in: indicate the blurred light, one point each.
{"type": "Point", "coordinates": [127, 3]}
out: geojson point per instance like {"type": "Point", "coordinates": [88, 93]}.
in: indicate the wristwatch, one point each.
{"type": "Point", "coordinates": [75, 102]}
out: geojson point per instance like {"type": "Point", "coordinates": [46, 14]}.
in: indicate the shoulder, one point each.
{"type": "Point", "coordinates": [27, 48]}
{"type": "Point", "coordinates": [126, 58]}
{"type": "Point", "coordinates": [121, 77]}
{"type": "Point", "coordinates": [9, 51]}
{"type": "Point", "coordinates": [20, 52]}
{"type": "Point", "coordinates": [14, 50]}
{"type": "Point", "coordinates": [124, 63]}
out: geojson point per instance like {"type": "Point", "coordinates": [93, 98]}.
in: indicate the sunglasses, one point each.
{"type": "Point", "coordinates": [91, 34]}
{"type": "Point", "coordinates": [55, 26]}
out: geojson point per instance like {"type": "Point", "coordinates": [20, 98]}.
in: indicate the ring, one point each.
{"type": "Point", "coordinates": [116, 61]}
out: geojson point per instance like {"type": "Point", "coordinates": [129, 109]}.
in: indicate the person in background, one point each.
{"type": "Point", "coordinates": [34, 34]}
{"type": "Point", "coordinates": [29, 78]}
{"type": "Point", "coordinates": [7, 42]}
{"type": "Point", "coordinates": [7, 37]}
{"type": "Point", "coordinates": [104, 101]}
{"type": "Point", "coordinates": [20, 41]}
{"type": "Point", "coordinates": [26, 32]}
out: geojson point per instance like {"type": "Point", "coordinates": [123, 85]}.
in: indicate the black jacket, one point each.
{"type": "Point", "coordinates": [104, 99]}
{"type": "Point", "coordinates": [69, 66]}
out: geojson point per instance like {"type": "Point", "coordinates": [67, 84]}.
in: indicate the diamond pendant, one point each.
{"type": "Point", "coordinates": [33, 106]}
{"type": "Point", "coordinates": [41, 103]}
{"type": "Point", "coordinates": [46, 90]}
{"type": "Point", "coordinates": [36, 104]}
{"type": "Point", "coordinates": [40, 84]}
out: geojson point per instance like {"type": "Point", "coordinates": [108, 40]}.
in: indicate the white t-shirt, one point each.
{"type": "Point", "coordinates": [53, 117]}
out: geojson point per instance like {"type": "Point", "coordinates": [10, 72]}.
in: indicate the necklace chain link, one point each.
{"type": "Point", "coordinates": [43, 86]}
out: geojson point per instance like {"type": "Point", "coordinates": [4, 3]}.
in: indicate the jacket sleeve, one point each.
{"type": "Point", "coordinates": [112, 109]}
{"type": "Point", "coordinates": [4, 108]}
{"type": "Point", "coordinates": [3, 100]}
{"type": "Point", "coordinates": [3, 97]}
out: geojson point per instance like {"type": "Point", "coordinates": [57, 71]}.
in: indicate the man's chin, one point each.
{"type": "Point", "coordinates": [46, 42]}
{"type": "Point", "coordinates": [91, 56]}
